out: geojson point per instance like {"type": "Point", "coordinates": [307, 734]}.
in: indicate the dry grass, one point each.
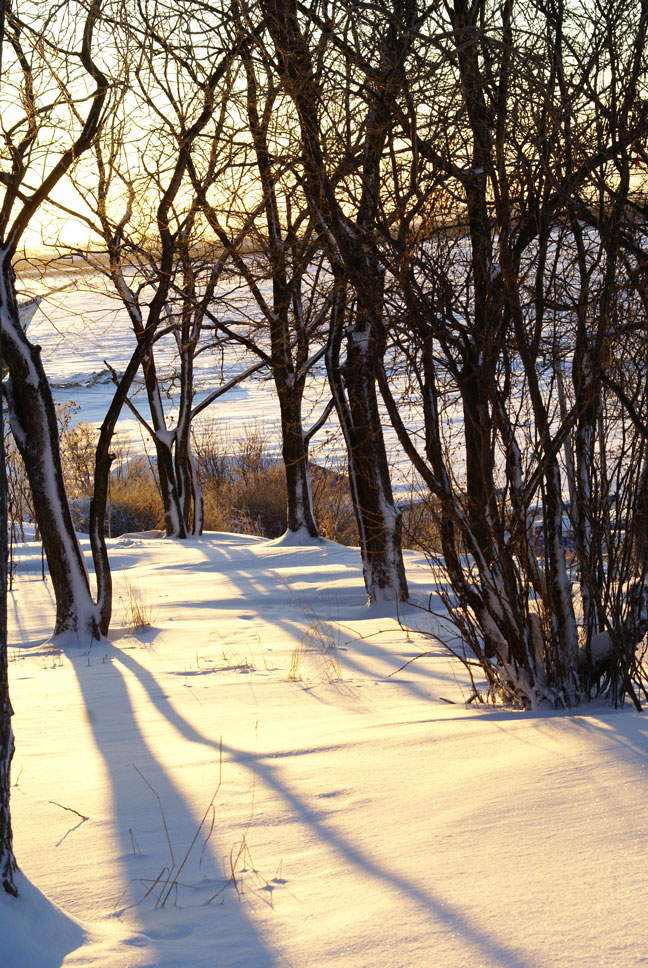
{"type": "Point", "coordinates": [421, 530]}
{"type": "Point", "coordinates": [240, 869]}
{"type": "Point", "coordinates": [323, 637]}
{"type": "Point", "coordinates": [136, 612]}
{"type": "Point", "coordinates": [244, 489]}
{"type": "Point", "coordinates": [296, 662]}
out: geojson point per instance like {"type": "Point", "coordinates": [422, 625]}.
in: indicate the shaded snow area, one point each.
{"type": "Point", "coordinates": [243, 783]}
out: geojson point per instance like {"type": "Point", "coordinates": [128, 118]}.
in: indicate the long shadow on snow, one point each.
{"type": "Point", "coordinates": [351, 654]}
{"type": "Point", "coordinates": [19, 634]}
{"type": "Point", "coordinates": [259, 577]}
{"type": "Point", "coordinates": [260, 567]}
{"type": "Point", "coordinates": [123, 747]}
{"type": "Point", "coordinates": [260, 769]}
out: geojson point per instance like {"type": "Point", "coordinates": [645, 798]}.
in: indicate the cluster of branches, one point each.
{"type": "Point", "coordinates": [445, 204]}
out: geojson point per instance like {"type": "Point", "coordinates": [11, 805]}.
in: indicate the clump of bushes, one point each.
{"type": "Point", "coordinates": [421, 525]}
{"type": "Point", "coordinates": [245, 490]}
{"type": "Point", "coordinates": [134, 502]}
{"type": "Point", "coordinates": [244, 487]}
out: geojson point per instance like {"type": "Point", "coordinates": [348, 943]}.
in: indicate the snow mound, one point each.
{"type": "Point", "coordinates": [141, 535]}
{"type": "Point", "coordinates": [277, 774]}
{"type": "Point", "coordinates": [294, 539]}
{"type": "Point", "coordinates": [34, 932]}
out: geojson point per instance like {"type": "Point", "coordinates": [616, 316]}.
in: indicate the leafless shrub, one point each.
{"type": "Point", "coordinates": [333, 505]}
{"type": "Point", "coordinates": [20, 509]}
{"type": "Point", "coordinates": [421, 528]}
{"type": "Point", "coordinates": [245, 489]}
{"type": "Point", "coordinates": [78, 445]}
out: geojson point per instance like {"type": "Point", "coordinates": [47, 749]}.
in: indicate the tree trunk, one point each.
{"type": "Point", "coordinates": [295, 455]}
{"type": "Point", "coordinates": [174, 522]}
{"type": "Point", "coordinates": [379, 523]}
{"type": "Point", "coordinates": [190, 496]}
{"type": "Point", "coordinates": [163, 440]}
{"type": "Point", "coordinates": [33, 422]}
{"type": "Point", "coordinates": [353, 250]}
{"type": "Point", "coordinates": [7, 861]}
{"type": "Point", "coordinates": [98, 504]}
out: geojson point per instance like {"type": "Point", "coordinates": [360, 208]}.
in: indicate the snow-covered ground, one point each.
{"type": "Point", "coordinates": [244, 783]}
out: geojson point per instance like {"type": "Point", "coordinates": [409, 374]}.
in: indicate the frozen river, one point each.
{"type": "Point", "coordinates": [81, 326]}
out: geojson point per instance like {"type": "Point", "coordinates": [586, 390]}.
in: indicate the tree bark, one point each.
{"type": "Point", "coordinates": [379, 523]}
{"type": "Point", "coordinates": [7, 860]}
{"type": "Point", "coordinates": [353, 251]}
{"type": "Point", "coordinates": [295, 456]}
{"type": "Point", "coordinates": [33, 422]}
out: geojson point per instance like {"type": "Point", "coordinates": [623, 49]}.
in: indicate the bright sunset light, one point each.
{"type": "Point", "coordinates": [324, 484]}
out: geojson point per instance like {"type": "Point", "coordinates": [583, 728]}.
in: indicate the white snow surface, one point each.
{"type": "Point", "coordinates": [80, 325]}
{"type": "Point", "coordinates": [354, 818]}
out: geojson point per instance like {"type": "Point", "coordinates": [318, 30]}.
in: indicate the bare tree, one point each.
{"type": "Point", "coordinates": [57, 92]}
{"type": "Point", "coordinates": [507, 317]}
{"type": "Point", "coordinates": [7, 859]}
{"type": "Point", "coordinates": [282, 252]}
{"type": "Point", "coordinates": [342, 165]}
{"type": "Point", "coordinates": [147, 215]}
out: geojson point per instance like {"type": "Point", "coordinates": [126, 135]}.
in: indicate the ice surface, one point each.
{"type": "Point", "coordinates": [79, 330]}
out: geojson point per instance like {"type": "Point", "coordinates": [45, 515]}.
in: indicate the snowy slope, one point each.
{"type": "Point", "coordinates": [349, 818]}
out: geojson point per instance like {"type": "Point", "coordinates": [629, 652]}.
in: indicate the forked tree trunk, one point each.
{"type": "Point", "coordinates": [189, 491]}
{"type": "Point", "coordinates": [174, 522]}
{"type": "Point", "coordinates": [379, 522]}
{"type": "Point", "coordinates": [33, 422]}
{"type": "Point", "coordinates": [353, 250]}
{"type": "Point", "coordinates": [163, 441]}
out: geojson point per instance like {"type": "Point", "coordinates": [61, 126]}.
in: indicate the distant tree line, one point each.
{"type": "Point", "coordinates": [443, 204]}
